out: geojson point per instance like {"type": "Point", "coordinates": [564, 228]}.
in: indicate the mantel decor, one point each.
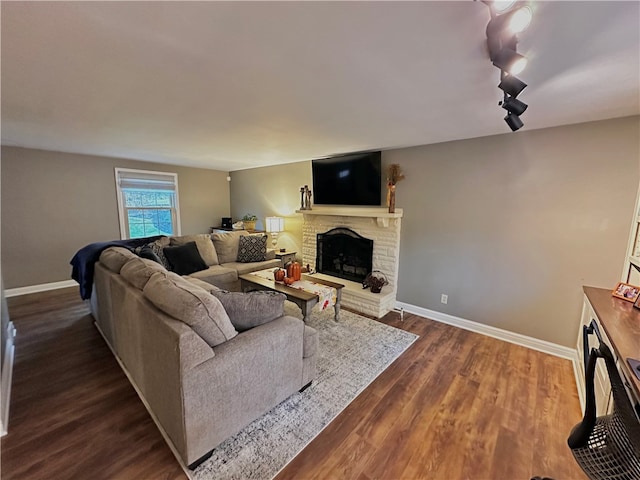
{"type": "Point", "coordinates": [393, 177]}
{"type": "Point", "coordinates": [305, 198]}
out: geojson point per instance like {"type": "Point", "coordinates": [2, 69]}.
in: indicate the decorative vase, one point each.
{"type": "Point", "coordinates": [391, 198]}
{"type": "Point", "coordinates": [249, 224]}
{"type": "Point", "coordinates": [293, 271]}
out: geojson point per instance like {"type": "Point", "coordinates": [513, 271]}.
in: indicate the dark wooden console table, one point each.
{"type": "Point", "coordinates": [621, 323]}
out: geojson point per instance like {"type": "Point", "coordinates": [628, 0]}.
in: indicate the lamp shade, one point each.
{"type": "Point", "coordinates": [274, 224]}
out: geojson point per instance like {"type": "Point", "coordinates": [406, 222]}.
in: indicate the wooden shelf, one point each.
{"type": "Point", "coordinates": [353, 212]}
{"type": "Point", "coordinates": [381, 214]}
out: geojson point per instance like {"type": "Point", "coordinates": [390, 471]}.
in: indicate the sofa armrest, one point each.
{"type": "Point", "coordinates": [248, 375]}
{"type": "Point", "coordinates": [271, 254]}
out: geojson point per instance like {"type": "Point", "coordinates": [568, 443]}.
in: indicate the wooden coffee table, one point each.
{"type": "Point", "coordinates": [305, 300]}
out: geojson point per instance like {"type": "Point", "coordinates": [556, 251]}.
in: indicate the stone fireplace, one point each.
{"type": "Point", "coordinates": [375, 225]}
{"type": "Point", "coordinates": [343, 253]}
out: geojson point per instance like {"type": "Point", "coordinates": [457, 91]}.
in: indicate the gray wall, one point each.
{"type": "Point", "coordinates": [55, 203]}
{"type": "Point", "coordinates": [509, 227]}
{"type": "Point", "coordinates": [272, 191]}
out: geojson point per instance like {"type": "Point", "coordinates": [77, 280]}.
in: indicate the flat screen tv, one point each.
{"type": "Point", "coordinates": [353, 179]}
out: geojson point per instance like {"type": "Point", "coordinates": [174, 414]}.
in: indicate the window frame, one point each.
{"type": "Point", "coordinates": [122, 208]}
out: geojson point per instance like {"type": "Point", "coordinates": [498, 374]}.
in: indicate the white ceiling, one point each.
{"type": "Point", "coordinates": [233, 85]}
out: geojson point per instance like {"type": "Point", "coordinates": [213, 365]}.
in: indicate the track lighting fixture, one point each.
{"type": "Point", "coordinates": [513, 105]}
{"type": "Point", "coordinates": [501, 6]}
{"type": "Point", "coordinates": [510, 23]}
{"type": "Point", "coordinates": [508, 18]}
{"type": "Point", "coordinates": [510, 61]}
{"type": "Point", "coordinates": [513, 121]}
{"type": "Point", "coordinates": [511, 85]}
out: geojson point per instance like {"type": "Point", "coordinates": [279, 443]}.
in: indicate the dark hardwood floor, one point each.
{"type": "Point", "coordinates": [455, 405]}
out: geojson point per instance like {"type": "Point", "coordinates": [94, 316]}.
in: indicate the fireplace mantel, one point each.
{"type": "Point", "coordinates": [381, 214]}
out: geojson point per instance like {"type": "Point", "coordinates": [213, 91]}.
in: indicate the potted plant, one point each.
{"type": "Point", "coordinates": [249, 221]}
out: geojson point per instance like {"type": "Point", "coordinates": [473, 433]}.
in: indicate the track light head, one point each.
{"type": "Point", "coordinates": [510, 23]}
{"type": "Point", "coordinates": [511, 85]}
{"type": "Point", "coordinates": [501, 6]}
{"type": "Point", "coordinates": [514, 106]}
{"type": "Point", "coordinates": [509, 60]}
{"type": "Point", "coordinates": [513, 121]}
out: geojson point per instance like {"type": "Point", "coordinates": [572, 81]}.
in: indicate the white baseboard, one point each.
{"type": "Point", "coordinates": [7, 374]}
{"type": "Point", "coordinates": [505, 335]}
{"type": "Point", "coordinates": [15, 292]}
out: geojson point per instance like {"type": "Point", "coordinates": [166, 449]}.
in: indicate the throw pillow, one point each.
{"type": "Point", "coordinates": [137, 271]}
{"type": "Point", "coordinates": [252, 248]}
{"type": "Point", "coordinates": [204, 244]}
{"type": "Point", "coordinates": [190, 304]}
{"type": "Point", "coordinates": [226, 245]}
{"type": "Point", "coordinates": [248, 310]}
{"type": "Point", "coordinates": [147, 252]}
{"type": "Point", "coordinates": [185, 259]}
{"type": "Point", "coordinates": [157, 248]}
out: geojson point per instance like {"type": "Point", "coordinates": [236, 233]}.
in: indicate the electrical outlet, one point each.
{"type": "Point", "coordinates": [444, 298]}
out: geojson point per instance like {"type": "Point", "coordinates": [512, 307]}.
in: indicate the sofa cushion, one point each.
{"type": "Point", "coordinates": [226, 245]}
{"type": "Point", "coordinates": [137, 271]}
{"type": "Point", "coordinates": [248, 310]}
{"type": "Point", "coordinates": [185, 259]}
{"type": "Point", "coordinates": [243, 268]}
{"type": "Point", "coordinates": [204, 244]}
{"type": "Point", "coordinates": [114, 258]}
{"type": "Point", "coordinates": [216, 274]}
{"type": "Point", "coordinates": [201, 283]}
{"type": "Point", "coordinates": [252, 248]}
{"type": "Point", "coordinates": [190, 304]}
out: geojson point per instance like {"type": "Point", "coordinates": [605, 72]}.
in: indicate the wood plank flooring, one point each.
{"type": "Point", "coordinates": [455, 405]}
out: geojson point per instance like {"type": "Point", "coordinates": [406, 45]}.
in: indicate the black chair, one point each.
{"type": "Point", "coordinates": [607, 447]}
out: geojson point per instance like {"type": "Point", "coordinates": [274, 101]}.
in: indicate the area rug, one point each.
{"type": "Point", "coordinates": [353, 352]}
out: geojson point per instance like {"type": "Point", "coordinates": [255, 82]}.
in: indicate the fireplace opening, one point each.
{"type": "Point", "coordinates": [343, 253]}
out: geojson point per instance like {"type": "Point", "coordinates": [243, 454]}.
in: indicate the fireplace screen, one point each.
{"type": "Point", "coordinates": [345, 254]}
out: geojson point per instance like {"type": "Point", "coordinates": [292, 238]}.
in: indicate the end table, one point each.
{"type": "Point", "coordinates": [285, 257]}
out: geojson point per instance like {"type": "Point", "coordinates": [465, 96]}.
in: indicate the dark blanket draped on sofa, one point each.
{"type": "Point", "coordinates": [85, 258]}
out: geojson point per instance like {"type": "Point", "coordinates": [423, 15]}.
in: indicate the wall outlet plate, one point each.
{"type": "Point", "coordinates": [635, 367]}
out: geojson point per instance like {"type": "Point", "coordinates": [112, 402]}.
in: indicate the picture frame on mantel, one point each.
{"type": "Point", "coordinates": [627, 292]}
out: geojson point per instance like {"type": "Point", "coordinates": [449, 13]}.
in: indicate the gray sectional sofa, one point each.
{"type": "Point", "coordinates": [220, 253]}
{"type": "Point", "coordinates": [205, 362]}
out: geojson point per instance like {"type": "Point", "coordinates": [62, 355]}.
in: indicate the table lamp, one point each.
{"type": "Point", "coordinates": [274, 225]}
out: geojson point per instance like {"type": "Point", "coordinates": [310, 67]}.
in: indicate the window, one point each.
{"type": "Point", "coordinates": [147, 203]}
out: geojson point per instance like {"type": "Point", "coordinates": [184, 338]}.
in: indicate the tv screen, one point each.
{"type": "Point", "coordinates": [353, 179]}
